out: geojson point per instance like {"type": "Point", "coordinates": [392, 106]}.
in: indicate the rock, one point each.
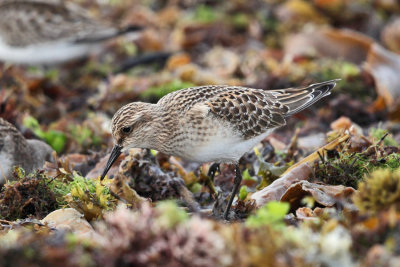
{"type": "Point", "coordinates": [70, 220]}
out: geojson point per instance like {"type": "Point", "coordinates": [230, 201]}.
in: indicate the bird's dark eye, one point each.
{"type": "Point", "coordinates": [127, 129]}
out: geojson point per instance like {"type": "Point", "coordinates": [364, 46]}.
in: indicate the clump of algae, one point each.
{"type": "Point", "coordinates": [29, 195]}
{"type": "Point", "coordinates": [379, 191]}
{"type": "Point", "coordinates": [90, 197]}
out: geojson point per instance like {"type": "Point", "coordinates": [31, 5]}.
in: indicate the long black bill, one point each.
{"type": "Point", "coordinates": [113, 157]}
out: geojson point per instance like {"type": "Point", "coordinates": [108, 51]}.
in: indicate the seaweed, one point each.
{"type": "Point", "coordinates": [347, 168]}
{"type": "Point", "coordinates": [29, 195]}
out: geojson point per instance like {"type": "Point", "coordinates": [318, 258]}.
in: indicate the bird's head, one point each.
{"type": "Point", "coordinates": [130, 127]}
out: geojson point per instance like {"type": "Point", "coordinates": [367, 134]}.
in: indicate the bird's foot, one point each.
{"type": "Point", "coordinates": [236, 185]}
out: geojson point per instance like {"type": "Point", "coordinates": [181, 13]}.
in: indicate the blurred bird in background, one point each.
{"type": "Point", "coordinates": [49, 32]}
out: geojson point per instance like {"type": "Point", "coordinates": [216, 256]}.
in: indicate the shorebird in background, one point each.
{"type": "Point", "coordinates": [48, 32]}
{"type": "Point", "coordinates": [216, 123]}
{"type": "Point", "coordinates": [15, 150]}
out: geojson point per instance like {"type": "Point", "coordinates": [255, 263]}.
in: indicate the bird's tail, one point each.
{"type": "Point", "coordinates": [297, 99]}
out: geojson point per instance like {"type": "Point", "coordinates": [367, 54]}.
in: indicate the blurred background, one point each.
{"type": "Point", "coordinates": [262, 44]}
{"type": "Point", "coordinates": [343, 206]}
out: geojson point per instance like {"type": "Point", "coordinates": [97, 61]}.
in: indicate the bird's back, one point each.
{"type": "Point", "coordinates": [29, 22]}
{"type": "Point", "coordinates": [251, 112]}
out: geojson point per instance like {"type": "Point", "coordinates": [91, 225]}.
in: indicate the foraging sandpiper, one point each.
{"type": "Point", "coordinates": [36, 32]}
{"type": "Point", "coordinates": [15, 150]}
{"type": "Point", "coordinates": [216, 123]}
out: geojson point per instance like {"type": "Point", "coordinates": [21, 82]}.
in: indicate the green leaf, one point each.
{"type": "Point", "coordinates": [54, 138]}
{"type": "Point", "coordinates": [196, 187]}
{"type": "Point", "coordinates": [243, 192]}
{"type": "Point", "coordinates": [246, 176]}
{"type": "Point", "coordinates": [271, 214]}
{"type": "Point", "coordinates": [171, 215]}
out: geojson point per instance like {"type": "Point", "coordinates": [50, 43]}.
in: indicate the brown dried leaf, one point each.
{"type": "Point", "coordinates": [346, 44]}
{"type": "Point", "coordinates": [201, 76]}
{"type": "Point", "coordinates": [221, 61]}
{"type": "Point", "coordinates": [343, 123]}
{"type": "Point", "coordinates": [305, 213]}
{"type": "Point", "coordinates": [326, 195]}
{"type": "Point", "coordinates": [150, 40]}
{"type": "Point", "coordinates": [275, 190]}
{"type": "Point", "coordinates": [385, 68]}
{"type": "Point", "coordinates": [90, 210]}
{"type": "Point", "coordinates": [120, 187]}
{"type": "Point", "coordinates": [391, 35]}
{"type": "Point", "coordinates": [295, 11]}
{"type": "Point", "coordinates": [210, 34]}
{"type": "Point", "coordinates": [379, 255]}
{"type": "Point", "coordinates": [178, 60]}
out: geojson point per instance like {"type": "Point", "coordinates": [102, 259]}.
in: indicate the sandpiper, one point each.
{"type": "Point", "coordinates": [15, 150]}
{"type": "Point", "coordinates": [40, 32]}
{"type": "Point", "coordinates": [215, 123]}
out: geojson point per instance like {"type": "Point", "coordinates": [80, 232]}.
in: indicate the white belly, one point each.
{"type": "Point", "coordinates": [5, 167]}
{"type": "Point", "coordinates": [222, 149]}
{"type": "Point", "coordinates": [45, 54]}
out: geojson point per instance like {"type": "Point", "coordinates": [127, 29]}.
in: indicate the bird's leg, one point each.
{"type": "Point", "coordinates": [236, 184]}
{"type": "Point", "coordinates": [212, 170]}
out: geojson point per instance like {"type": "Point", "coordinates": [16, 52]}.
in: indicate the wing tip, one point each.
{"type": "Point", "coordinates": [329, 85]}
{"type": "Point", "coordinates": [318, 91]}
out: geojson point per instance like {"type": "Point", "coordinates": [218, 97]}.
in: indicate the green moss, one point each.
{"type": "Point", "coordinates": [378, 133]}
{"type": "Point", "coordinates": [52, 74]}
{"type": "Point", "coordinates": [100, 68]}
{"type": "Point", "coordinates": [88, 196]}
{"type": "Point", "coordinates": [271, 214]}
{"type": "Point", "coordinates": [84, 136]}
{"type": "Point", "coordinates": [55, 139]}
{"type": "Point", "coordinates": [332, 69]}
{"type": "Point", "coordinates": [240, 20]}
{"type": "Point", "coordinates": [93, 190]}
{"type": "Point", "coordinates": [162, 90]}
{"type": "Point", "coordinates": [205, 14]}
{"type": "Point", "coordinates": [352, 81]}
{"type": "Point", "coordinates": [379, 191]}
{"type": "Point", "coordinates": [82, 190]}
{"type": "Point", "coordinates": [349, 168]}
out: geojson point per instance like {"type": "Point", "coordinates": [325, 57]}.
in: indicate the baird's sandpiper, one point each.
{"type": "Point", "coordinates": [215, 123]}
{"type": "Point", "coordinates": [15, 150]}
{"type": "Point", "coordinates": [36, 32]}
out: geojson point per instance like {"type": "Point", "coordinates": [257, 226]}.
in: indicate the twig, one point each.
{"type": "Point", "coordinates": [160, 57]}
{"type": "Point", "coordinates": [382, 139]}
